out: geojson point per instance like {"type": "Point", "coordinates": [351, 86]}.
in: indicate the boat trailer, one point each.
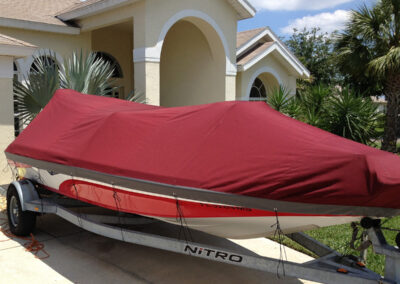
{"type": "Point", "coordinates": [330, 267]}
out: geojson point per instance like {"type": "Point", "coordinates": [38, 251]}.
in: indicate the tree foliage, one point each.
{"type": "Point", "coordinates": [368, 51]}
{"type": "Point", "coordinates": [315, 50]}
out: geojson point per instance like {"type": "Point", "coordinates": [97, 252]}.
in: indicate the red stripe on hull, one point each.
{"type": "Point", "coordinates": [155, 206]}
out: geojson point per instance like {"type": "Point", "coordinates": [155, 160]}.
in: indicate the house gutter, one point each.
{"type": "Point", "coordinates": [36, 26]}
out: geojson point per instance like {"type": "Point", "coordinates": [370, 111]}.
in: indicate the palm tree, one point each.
{"type": "Point", "coordinates": [37, 90]}
{"type": "Point", "coordinates": [85, 73]}
{"type": "Point", "coordinates": [369, 50]}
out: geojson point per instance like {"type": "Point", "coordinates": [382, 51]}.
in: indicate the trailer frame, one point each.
{"type": "Point", "coordinates": [330, 267]}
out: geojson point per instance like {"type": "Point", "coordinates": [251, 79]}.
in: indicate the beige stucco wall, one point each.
{"type": "Point", "coordinates": [117, 40]}
{"type": "Point", "coordinates": [190, 73]}
{"type": "Point", "coordinates": [147, 78]}
{"type": "Point", "coordinates": [152, 17]}
{"type": "Point", "coordinates": [269, 63]}
{"type": "Point", "coordinates": [230, 88]}
{"type": "Point", "coordinates": [62, 44]}
{"type": "Point", "coordinates": [6, 116]}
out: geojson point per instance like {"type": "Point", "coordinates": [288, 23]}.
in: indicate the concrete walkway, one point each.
{"type": "Point", "coordinates": [78, 256]}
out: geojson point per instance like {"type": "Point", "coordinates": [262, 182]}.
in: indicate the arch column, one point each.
{"type": "Point", "coordinates": [8, 52]}
{"type": "Point", "coordinates": [147, 75]}
{"type": "Point", "coordinates": [146, 59]}
{"type": "Point", "coordinates": [6, 113]}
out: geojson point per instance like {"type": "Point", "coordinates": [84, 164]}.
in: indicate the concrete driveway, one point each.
{"type": "Point", "coordinates": [78, 256]}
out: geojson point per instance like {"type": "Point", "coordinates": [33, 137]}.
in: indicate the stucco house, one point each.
{"type": "Point", "coordinates": [177, 52]}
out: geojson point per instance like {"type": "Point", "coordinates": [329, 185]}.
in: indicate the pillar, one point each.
{"type": "Point", "coordinates": [6, 114]}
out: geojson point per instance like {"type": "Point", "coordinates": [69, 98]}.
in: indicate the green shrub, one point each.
{"type": "Point", "coordinates": [341, 112]}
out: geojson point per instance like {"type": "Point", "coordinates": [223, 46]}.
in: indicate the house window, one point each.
{"type": "Point", "coordinates": [117, 74]}
{"type": "Point", "coordinates": [113, 62]}
{"type": "Point", "coordinates": [43, 59]}
{"type": "Point", "coordinates": [258, 91]}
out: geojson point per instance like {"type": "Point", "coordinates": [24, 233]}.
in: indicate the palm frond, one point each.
{"type": "Point", "coordinates": [87, 74]}
{"type": "Point", "coordinates": [279, 97]}
{"type": "Point", "coordinates": [36, 90]}
{"type": "Point", "coordinates": [387, 63]}
{"type": "Point", "coordinates": [137, 97]}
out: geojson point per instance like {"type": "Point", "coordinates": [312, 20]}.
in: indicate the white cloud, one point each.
{"type": "Point", "coordinates": [293, 5]}
{"type": "Point", "coordinates": [328, 22]}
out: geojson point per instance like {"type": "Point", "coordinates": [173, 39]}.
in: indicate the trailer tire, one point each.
{"type": "Point", "coordinates": [21, 223]}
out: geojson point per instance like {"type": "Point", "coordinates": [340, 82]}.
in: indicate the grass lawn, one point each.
{"type": "Point", "coordinates": [339, 237]}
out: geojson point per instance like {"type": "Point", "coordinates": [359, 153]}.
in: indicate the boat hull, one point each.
{"type": "Point", "coordinates": [222, 220]}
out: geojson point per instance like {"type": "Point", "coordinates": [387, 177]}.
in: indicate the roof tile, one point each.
{"type": "Point", "coordinates": [77, 6]}
{"type": "Point", "coordinates": [42, 11]}
{"type": "Point", "coordinates": [245, 36]}
{"type": "Point", "coordinates": [254, 52]}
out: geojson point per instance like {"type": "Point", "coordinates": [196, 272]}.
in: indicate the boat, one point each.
{"type": "Point", "coordinates": [232, 169]}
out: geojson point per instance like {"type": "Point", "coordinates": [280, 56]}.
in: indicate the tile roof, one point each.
{"type": "Point", "coordinates": [245, 36]}
{"type": "Point", "coordinates": [253, 52]}
{"type": "Point", "coordinates": [42, 11]}
{"type": "Point", "coordinates": [6, 40]}
{"type": "Point", "coordinates": [78, 5]}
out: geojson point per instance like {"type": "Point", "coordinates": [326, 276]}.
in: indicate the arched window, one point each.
{"type": "Point", "coordinates": [258, 91]}
{"type": "Point", "coordinates": [117, 74]}
{"type": "Point", "coordinates": [43, 59]}
{"type": "Point", "coordinates": [15, 71]}
{"type": "Point", "coordinates": [113, 62]}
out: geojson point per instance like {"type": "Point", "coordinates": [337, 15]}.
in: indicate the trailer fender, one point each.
{"type": "Point", "coordinates": [26, 192]}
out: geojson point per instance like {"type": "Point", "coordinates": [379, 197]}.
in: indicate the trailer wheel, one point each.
{"type": "Point", "coordinates": [21, 223]}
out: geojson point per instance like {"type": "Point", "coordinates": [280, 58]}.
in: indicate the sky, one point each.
{"type": "Point", "coordinates": [284, 15]}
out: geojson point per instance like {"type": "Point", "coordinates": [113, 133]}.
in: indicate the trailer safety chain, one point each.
{"type": "Point", "coordinates": [117, 201]}
{"type": "Point", "coordinates": [77, 197]}
{"type": "Point", "coordinates": [282, 249]}
{"type": "Point", "coordinates": [364, 244]}
{"type": "Point", "coordinates": [183, 224]}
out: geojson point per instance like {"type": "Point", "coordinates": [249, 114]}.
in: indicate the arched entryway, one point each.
{"type": "Point", "coordinates": [193, 64]}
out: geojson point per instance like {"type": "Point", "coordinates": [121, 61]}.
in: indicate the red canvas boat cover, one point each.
{"type": "Point", "coordinates": [244, 148]}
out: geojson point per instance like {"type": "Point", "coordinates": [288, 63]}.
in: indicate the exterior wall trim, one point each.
{"type": "Point", "coordinates": [6, 67]}
{"type": "Point", "coordinates": [243, 7]}
{"type": "Point", "coordinates": [16, 51]}
{"type": "Point", "coordinates": [146, 54]}
{"type": "Point", "coordinates": [36, 26]}
{"type": "Point", "coordinates": [257, 73]}
{"type": "Point", "coordinates": [274, 47]}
